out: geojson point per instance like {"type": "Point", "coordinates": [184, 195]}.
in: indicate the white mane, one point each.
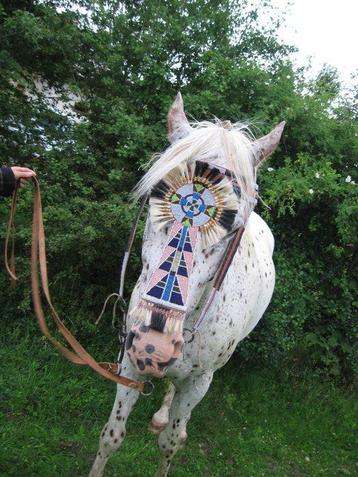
{"type": "Point", "coordinates": [207, 142]}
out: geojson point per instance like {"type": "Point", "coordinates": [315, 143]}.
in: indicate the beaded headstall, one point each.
{"type": "Point", "coordinates": [200, 201]}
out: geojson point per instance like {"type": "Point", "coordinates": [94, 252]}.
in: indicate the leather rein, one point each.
{"type": "Point", "coordinates": [78, 354]}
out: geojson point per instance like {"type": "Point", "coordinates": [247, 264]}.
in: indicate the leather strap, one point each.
{"type": "Point", "coordinates": [10, 235]}
{"type": "Point", "coordinates": [129, 246]}
{"type": "Point", "coordinates": [219, 276]}
{"type": "Point", "coordinates": [228, 258]}
{"type": "Point", "coordinates": [78, 354]}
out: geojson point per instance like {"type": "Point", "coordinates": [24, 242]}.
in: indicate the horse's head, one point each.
{"type": "Point", "coordinates": [201, 189]}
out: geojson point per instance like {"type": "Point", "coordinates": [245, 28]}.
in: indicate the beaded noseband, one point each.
{"type": "Point", "coordinates": [200, 201]}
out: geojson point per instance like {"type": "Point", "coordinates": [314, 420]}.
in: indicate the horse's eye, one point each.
{"type": "Point", "coordinates": [237, 189]}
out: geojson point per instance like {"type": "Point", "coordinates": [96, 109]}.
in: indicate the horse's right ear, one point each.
{"type": "Point", "coordinates": [266, 145]}
{"type": "Point", "coordinates": [178, 125]}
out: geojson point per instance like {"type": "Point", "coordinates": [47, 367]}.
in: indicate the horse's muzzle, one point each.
{"type": "Point", "coordinates": [152, 351]}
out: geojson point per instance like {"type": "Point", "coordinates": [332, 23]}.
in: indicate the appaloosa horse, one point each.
{"type": "Point", "coordinates": [202, 190]}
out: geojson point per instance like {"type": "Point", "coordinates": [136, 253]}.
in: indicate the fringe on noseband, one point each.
{"type": "Point", "coordinates": [158, 318]}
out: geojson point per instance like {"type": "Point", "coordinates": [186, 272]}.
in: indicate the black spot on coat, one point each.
{"type": "Point", "coordinates": [129, 340]}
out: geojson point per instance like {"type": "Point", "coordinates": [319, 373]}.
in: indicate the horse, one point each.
{"type": "Point", "coordinates": [204, 183]}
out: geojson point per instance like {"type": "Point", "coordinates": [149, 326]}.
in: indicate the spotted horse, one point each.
{"type": "Point", "coordinates": [188, 312]}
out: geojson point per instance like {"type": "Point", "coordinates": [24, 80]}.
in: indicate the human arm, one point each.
{"type": "Point", "coordinates": [10, 175]}
{"type": "Point", "coordinates": [7, 181]}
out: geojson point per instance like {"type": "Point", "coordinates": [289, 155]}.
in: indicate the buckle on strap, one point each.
{"type": "Point", "coordinates": [150, 390]}
{"type": "Point", "coordinates": [189, 335]}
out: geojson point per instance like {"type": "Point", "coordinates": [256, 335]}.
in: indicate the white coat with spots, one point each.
{"type": "Point", "coordinates": [242, 300]}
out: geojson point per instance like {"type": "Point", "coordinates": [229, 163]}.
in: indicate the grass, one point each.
{"type": "Point", "coordinates": [251, 422]}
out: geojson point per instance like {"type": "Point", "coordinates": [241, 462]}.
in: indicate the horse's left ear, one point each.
{"type": "Point", "coordinates": [178, 124]}
{"type": "Point", "coordinates": [266, 145]}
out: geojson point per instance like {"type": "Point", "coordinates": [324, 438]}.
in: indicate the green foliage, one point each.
{"type": "Point", "coordinates": [125, 61]}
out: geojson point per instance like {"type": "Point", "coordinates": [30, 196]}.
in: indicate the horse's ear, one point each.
{"type": "Point", "coordinates": [178, 125]}
{"type": "Point", "coordinates": [266, 145]}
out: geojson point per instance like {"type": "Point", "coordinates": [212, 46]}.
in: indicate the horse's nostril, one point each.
{"type": "Point", "coordinates": [140, 364]}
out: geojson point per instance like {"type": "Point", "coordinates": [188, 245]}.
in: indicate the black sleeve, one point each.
{"type": "Point", "coordinates": [7, 181]}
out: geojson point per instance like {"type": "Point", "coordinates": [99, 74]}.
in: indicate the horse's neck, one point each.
{"type": "Point", "coordinates": [251, 277]}
{"type": "Point", "coordinates": [259, 234]}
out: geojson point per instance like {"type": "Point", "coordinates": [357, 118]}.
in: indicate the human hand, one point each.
{"type": "Point", "coordinates": [22, 174]}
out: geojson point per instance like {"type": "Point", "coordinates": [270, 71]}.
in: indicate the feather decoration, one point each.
{"type": "Point", "coordinates": [214, 196]}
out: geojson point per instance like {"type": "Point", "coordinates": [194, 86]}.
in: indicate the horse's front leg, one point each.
{"type": "Point", "coordinates": [188, 394]}
{"type": "Point", "coordinates": [114, 431]}
{"type": "Point", "coordinates": [161, 418]}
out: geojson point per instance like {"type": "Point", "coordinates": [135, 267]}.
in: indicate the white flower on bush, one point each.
{"type": "Point", "coordinates": [317, 175]}
{"type": "Point", "coordinates": [270, 169]}
{"type": "Point", "coordinates": [310, 191]}
{"type": "Point", "coordinates": [348, 178]}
